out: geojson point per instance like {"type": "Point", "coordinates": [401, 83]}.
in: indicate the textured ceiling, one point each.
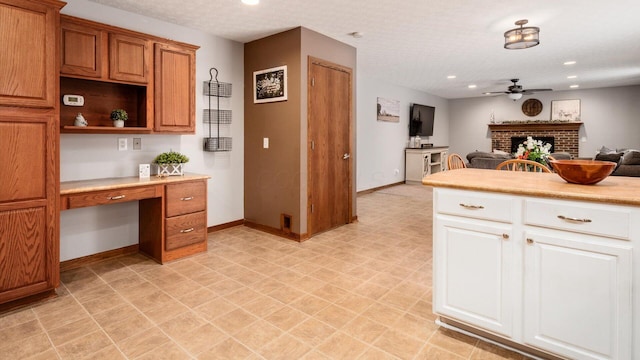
{"type": "Point", "coordinates": [418, 43]}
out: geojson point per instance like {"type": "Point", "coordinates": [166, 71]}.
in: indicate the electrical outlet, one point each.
{"type": "Point", "coordinates": [122, 144]}
{"type": "Point", "coordinates": [137, 143]}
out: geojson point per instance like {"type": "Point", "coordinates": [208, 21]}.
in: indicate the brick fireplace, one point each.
{"type": "Point", "coordinates": [565, 134]}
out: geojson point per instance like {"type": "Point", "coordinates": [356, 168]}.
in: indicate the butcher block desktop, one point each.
{"type": "Point", "coordinates": [172, 209]}
{"type": "Point", "coordinates": [539, 265]}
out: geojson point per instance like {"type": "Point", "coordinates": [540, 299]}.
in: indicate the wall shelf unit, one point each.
{"type": "Point", "coordinates": [216, 89]}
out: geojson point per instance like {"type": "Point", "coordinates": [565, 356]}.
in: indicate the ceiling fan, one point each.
{"type": "Point", "coordinates": [516, 91]}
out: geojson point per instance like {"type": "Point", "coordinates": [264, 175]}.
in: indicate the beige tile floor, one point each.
{"type": "Point", "coordinates": [362, 291]}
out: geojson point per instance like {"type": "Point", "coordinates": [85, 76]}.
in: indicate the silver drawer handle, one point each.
{"type": "Point", "coordinates": [472, 207]}
{"type": "Point", "coordinates": [187, 230]}
{"type": "Point", "coordinates": [566, 218]}
{"type": "Point", "coordinates": [116, 197]}
{"type": "Point", "coordinates": [187, 198]}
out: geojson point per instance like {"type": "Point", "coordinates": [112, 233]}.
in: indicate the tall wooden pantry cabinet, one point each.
{"type": "Point", "coordinates": [29, 139]}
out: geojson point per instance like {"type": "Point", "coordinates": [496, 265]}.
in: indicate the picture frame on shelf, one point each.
{"type": "Point", "coordinates": [270, 85]}
{"type": "Point", "coordinates": [565, 110]}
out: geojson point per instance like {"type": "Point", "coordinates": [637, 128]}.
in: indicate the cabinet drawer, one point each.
{"type": "Point", "coordinates": [186, 198]}
{"type": "Point", "coordinates": [579, 217]}
{"type": "Point", "coordinates": [475, 205]}
{"type": "Point", "coordinates": [109, 197]}
{"type": "Point", "coordinates": [185, 230]}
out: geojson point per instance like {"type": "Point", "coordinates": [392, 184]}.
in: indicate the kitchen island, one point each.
{"type": "Point", "coordinates": [536, 264]}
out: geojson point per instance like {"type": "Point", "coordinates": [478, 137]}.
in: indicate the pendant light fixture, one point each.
{"type": "Point", "coordinates": [522, 37]}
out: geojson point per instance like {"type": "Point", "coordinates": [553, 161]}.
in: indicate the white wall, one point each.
{"type": "Point", "coordinates": [611, 118]}
{"type": "Point", "coordinates": [92, 230]}
{"type": "Point", "coordinates": [380, 145]}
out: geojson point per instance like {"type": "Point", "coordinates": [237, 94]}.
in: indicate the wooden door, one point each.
{"type": "Point", "coordinates": [329, 146]}
{"type": "Point", "coordinates": [128, 58]}
{"type": "Point", "coordinates": [174, 88]}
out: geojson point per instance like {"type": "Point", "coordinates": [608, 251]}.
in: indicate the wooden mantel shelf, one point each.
{"type": "Point", "coordinates": [542, 125]}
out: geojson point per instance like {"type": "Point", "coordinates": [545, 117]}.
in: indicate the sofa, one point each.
{"type": "Point", "coordinates": [491, 160]}
{"type": "Point", "coordinates": [627, 160]}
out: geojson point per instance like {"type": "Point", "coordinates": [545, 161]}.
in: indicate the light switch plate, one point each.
{"type": "Point", "coordinates": [265, 143]}
{"type": "Point", "coordinates": [144, 171]}
{"type": "Point", "coordinates": [122, 144]}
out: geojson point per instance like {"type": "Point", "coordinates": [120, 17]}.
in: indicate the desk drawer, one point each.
{"type": "Point", "coordinates": [185, 230]}
{"type": "Point", "coordinates": [186, 198]}
{"type": "Point", "coordinates": [111, 196]}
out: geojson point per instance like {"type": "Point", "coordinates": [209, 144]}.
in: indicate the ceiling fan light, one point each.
{"type": "Point", "coordinates": [522, 37]}
{"type": "Point", "coordinates": [514, 96]}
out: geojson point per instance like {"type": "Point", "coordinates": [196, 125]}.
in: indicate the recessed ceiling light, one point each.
{"type": "Point", "coordinates": [250, 2]}
{"type": "Point", "coordinates": [451, 77]}
{"type": "Point", "coordinates": [486, 93]}
{"type": "Point", "coordinates": [356, 34]}
{"type": "Point", "coordinates": [572, 76]}
{"type": "Point", "coordinates": [572, 62]}
{"type": "Point", "coordinates": [472, 86]}
{"type": "Point", "coordinates": [574, 86]}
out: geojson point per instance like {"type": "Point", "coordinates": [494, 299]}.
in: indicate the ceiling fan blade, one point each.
{"type": "Point", "coordinates": [535, 90]}
{"type": "Point", "coordinates": [495, 92]}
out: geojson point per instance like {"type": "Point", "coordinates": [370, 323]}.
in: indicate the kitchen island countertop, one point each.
{"type": "Point", "coordinates": [612, 190]}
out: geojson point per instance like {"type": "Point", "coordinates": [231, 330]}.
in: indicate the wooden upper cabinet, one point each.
{"type": "Point", "coordinates": [81, 50]}
{"type": "Point", "coordinates": [128, 58]}
{"type": "Point", "coordinates": [28, 57]}
{"type": "Point", "coordinates": [96, 51]}
{"type": "Point", "coordinates": [174, 88]}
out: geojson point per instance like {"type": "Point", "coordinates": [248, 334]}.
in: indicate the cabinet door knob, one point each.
{"type": "Point", "coordinates": [505, 236]}
{"type": "Point", "coordinates": [572, 219]}
{"type": "Point", "coordinates": [187, 198]}
{"type": "Point", "coordinates": [187, 230]}
{"type": "Point", "coordinates": [472, 207]}
{"type": "Point", "coordinates": [529, 241]}
{"type": "Point", "coordinates": [118, 197]}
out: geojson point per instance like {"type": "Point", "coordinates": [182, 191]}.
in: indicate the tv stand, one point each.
{"type": "Point", "coordinates": [424, 161]}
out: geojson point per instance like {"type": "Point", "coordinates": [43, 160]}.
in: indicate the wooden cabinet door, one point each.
{"type": "Point", "coordinates": [29, 248]}
{"type": "Point", "coordinates": [577, 293]}
{"type": "Point", "coordinates": [475, 273]}
{"type": "Point", "coordinates": [128, 58]}
{"type": "Point", "coordinates": [81, 50]}
{"type": "Point", "coordinates": [28, 73]}
{"type": "Point", "coordinates": [174, 89]}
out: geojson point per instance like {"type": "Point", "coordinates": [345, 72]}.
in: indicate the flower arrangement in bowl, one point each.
{"type": "Point", "coordinates": [119, 116]}
{"type": "Point", "coordinates": [170, 163]}
{"type": "Point", "coordinates": [534, 150]}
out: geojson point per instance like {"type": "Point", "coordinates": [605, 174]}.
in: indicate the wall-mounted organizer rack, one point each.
{"type": "Point", "coordinates": [215, 89]}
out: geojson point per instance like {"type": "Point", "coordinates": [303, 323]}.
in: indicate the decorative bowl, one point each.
{"type": "Point", "coordinates": [585, 172]}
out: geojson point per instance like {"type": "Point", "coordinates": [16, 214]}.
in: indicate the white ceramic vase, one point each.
{"type": "Point", "coordinates": [118, 123]}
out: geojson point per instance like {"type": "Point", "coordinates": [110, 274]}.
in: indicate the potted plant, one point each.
{"type": "Point", "coordinates": [119, 116]}
{"type": "Point", "coordinates": [170, 163]}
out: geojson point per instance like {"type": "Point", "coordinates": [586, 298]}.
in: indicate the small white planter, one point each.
{"type": "Point", "coordinates": [170, 169]}
{"type": "Point", "coordinates": [118, 123]}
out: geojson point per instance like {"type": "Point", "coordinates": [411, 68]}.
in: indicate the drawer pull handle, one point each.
{"type": "Point", "coordinates": [472, 207]}
{"type": "Point", "coordinates": [570, 219]}
{"type": "Point", "coordinates": [187, 230]}
{"type": "Point", "coordinates": [116, 197]}
{"type": "Point", "coordinates": [187, 198]}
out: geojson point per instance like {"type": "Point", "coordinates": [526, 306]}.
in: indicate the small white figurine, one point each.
{"type": "Point", "coordinates": [80, 120]}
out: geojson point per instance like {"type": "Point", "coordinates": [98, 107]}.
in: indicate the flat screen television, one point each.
{"type": "Point", "coordinates": [421, 118]}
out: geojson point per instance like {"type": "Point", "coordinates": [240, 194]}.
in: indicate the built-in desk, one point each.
{"type": "Point", "coordinates": [172, 210]}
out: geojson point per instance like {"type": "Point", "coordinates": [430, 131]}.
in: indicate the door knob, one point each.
{"type": "Point", "coordinates": [346, 156]}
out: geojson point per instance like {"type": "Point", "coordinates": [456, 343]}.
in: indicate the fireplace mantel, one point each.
{"type": "Point", "coordinates": [533, 126]}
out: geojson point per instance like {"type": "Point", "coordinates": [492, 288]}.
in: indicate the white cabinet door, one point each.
{"type": "Point", "coordinates": [475, 273]}
{"type": "Point", "coordinates": [577, 295]}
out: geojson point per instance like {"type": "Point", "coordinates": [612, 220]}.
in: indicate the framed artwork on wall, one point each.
{"type": "Point", "coordinates": [270, 85]}
{"type": "Point", "coordinates": [388, 110]}
{"type": "Point", "coordinates": [565, 110]}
